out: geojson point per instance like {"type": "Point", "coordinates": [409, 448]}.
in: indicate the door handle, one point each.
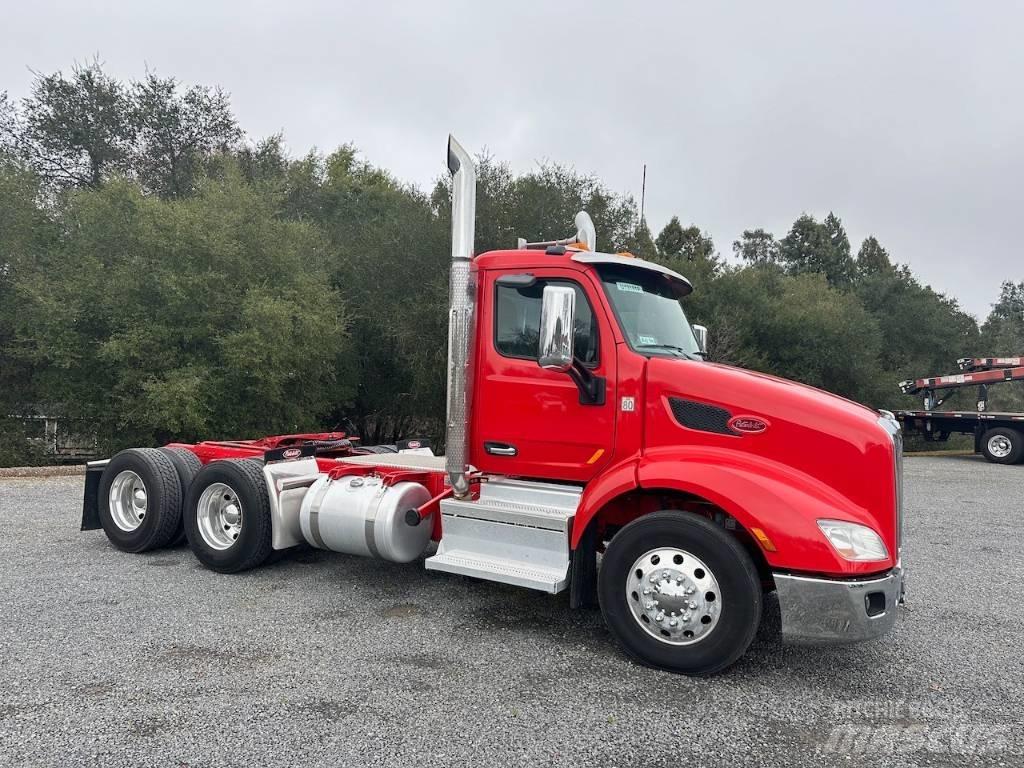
{"type": "Point", "coordinates": [500, 449]}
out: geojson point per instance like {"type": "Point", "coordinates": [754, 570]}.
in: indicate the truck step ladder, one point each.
{"type": "Point", "coordinates": [517, 533]}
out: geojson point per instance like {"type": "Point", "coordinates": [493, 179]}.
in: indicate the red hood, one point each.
{"type": "Point", "coordinates": [742, 380]}
{"type": "Point", "coordinates": [837, 443]}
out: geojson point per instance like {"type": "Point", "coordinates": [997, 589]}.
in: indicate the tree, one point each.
{"type": "Point", "coordinates": [823, 248]}
{"type": "Point", "coordinates": [1003, 331]}
{"type": "Point", "coordinates": [922, 332]}
{"type": "Point", "coordinates": [8, 130]}
{"type": "Point", "coordinates": [185, 319]}
{"type": "Point", "coordinates": [798, 327]}
{"type": "Point", "coordinates": [388, 255]}
{"type": "Point", "coordinates": [837, 237]}
{"type": "Point", "coordinates": [756, 246]}
{"type": "Point", "coordinates": [639, 242]}
{"type": "Point", "coordinates": [25, 235]}
{"type": "Point", "coordinates": [1003, 335]}
{"type": "Point", "coordinates": [76, 131]}
{"type": "Point", "coordinates": [872, 258]}
{"type": "Point", "coordinates": [542, 205]}
{"type": "Point", "coordinates": [686, 244]}
{"type": "Point", "coordinates": [177, 133]}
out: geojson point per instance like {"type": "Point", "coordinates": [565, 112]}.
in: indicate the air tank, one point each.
{"type": "Point", "coordinates": [363, 516]}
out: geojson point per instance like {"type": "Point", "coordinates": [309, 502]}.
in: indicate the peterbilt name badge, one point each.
{"type": "Point", "coordinates": [747, 424]}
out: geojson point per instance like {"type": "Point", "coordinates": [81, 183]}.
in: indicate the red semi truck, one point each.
{"type": "Point", "coordinates": [591, 449]}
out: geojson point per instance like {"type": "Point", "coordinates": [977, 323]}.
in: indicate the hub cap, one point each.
{"type": "Point", "coordinates": [673, 596]}
{"type": "Point", "coordinates": [1000, 446]}
{"type": "Point", "coordinates": [219, 515]}
{"type": "Point", "coordinates": [128, 501]}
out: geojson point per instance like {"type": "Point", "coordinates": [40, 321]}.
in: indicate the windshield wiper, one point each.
{"type": "Point", "coordinates": [673, 348]}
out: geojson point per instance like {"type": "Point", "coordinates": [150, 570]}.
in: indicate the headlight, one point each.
{"type": "Point", "coordinates": [853, 541]}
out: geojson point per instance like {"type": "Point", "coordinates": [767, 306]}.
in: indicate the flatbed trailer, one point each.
{"type": "Point", "coordinates": [998, 435]}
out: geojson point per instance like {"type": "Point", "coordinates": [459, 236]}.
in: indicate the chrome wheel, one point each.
{"type": "Point", "coordinates": [999, 446]}
{"type": "Point", "coordinates": [673, 596]}
{"type": "Point", "coordinates": [219, 516]}
{"type": "Point", "coordinates": [128, 501]}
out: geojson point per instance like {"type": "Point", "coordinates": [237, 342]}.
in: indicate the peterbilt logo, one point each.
{"type": "Point", "coordinates": [414, 444]}
{"type": "Point", "coordinates": [291, 453]}
{"type": "Point", "coordinates": [747, 424]}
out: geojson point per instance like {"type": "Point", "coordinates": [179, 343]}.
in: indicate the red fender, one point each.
{"type": "Point", "coordinates": [613, 482]}
{"type": "Point", "coordinates": [757, 492]}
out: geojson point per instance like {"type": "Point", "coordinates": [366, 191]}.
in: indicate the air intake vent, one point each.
{"type": "Point", "coordinates": [700, 416]}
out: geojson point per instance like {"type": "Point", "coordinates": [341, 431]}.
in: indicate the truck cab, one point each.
{"type": "Point", "coordinates": [591, 448]}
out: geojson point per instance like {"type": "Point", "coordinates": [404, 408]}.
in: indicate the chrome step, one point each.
{"type": "Point", "coordinates": [505, 571]}
{"type": "Point", "coordinates": [531, 492]}
{"type": "Point", "coordinates": [531, 515]}
{"type": "Point", "coordinates": [517, 533]}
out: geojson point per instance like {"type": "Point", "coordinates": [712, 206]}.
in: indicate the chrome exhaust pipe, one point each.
{"type": "Point", "coordinates": [462, 310]}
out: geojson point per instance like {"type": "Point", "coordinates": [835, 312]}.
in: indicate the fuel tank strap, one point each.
{"type": "Point", "coordinates": [370, 523]}
{"type": "Point", "coordinates": [314, 515]}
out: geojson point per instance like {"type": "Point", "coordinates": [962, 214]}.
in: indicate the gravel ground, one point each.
{"type": "Point", "coordinates": [326, 660]}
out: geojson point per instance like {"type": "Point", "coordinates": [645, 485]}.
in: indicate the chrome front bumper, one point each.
{"type": "Point", "coordinates": [818, 611]}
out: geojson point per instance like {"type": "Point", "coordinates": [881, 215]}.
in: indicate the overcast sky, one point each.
{"type": "Point", "coordinates": [906, 118]}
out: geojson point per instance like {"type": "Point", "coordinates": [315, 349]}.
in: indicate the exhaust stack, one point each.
{"type": "Point", "coordinates": [462, 300]}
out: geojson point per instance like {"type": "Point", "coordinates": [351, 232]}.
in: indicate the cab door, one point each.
{"type": "Point", "coordinates": [528, 421]}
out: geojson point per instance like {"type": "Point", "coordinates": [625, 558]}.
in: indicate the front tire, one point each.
{"type": "Point", "coordinates": [1002, 445]}
{"type": "Point", "coordinates": [679, 593]}
{"type": "Point", "coordinates": [227, 516]}
{"type": "Point", "coordinates": [140, 500]}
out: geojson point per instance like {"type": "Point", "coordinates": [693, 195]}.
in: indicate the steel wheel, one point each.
{"type": "Point", "coordinates": [128, 501]}
{"type": "Point", "coordinates": [219, 515]}
{"type": "Point", "coordinates": [673, 596]}
{"type": "Point", "coordinates": [645, 580]}
{"type": "Point", "coordinates": [999, 446]}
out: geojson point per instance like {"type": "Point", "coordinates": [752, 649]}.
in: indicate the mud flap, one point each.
{"type": "Point", "coordinates": [90, 501]}
{"type": "Point", "coordinates": [583, 571]}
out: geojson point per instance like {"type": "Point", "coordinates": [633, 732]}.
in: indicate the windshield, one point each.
{"type": "Point", "coordinates": [651, 316]}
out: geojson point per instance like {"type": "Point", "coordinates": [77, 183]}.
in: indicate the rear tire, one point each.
{"type": "Point", "coordinates": [227, 516]}
{"type": "Point", "coordinates": [139, 500]}
{"type": "Point", "coordinates": [1002, 445]}
{"type": "Point", "coordinates": [187, 465]}
{"type": "Point", "coordinates": [679, 593]}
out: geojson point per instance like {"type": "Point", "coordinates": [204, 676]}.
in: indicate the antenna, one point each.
{"type": "Point", "coordinates": [643, 194]}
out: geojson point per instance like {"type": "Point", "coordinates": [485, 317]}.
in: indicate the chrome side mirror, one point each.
{"type": "Point", "coordinates": [701, 332]}
{"type": "Point", "coordinates": [557, 321]}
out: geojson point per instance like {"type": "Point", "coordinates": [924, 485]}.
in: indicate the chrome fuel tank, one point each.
{"type": "Point", "coordinates": [362, 516]}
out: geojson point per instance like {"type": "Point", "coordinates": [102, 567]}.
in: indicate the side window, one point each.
{"type": "Point", "coordinates": [517, 321]}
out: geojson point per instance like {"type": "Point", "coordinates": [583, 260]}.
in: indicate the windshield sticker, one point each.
{"type": "Point", "coordinates": [646, 340]}
{"type": "Point", "coordinates": [630, 287]}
